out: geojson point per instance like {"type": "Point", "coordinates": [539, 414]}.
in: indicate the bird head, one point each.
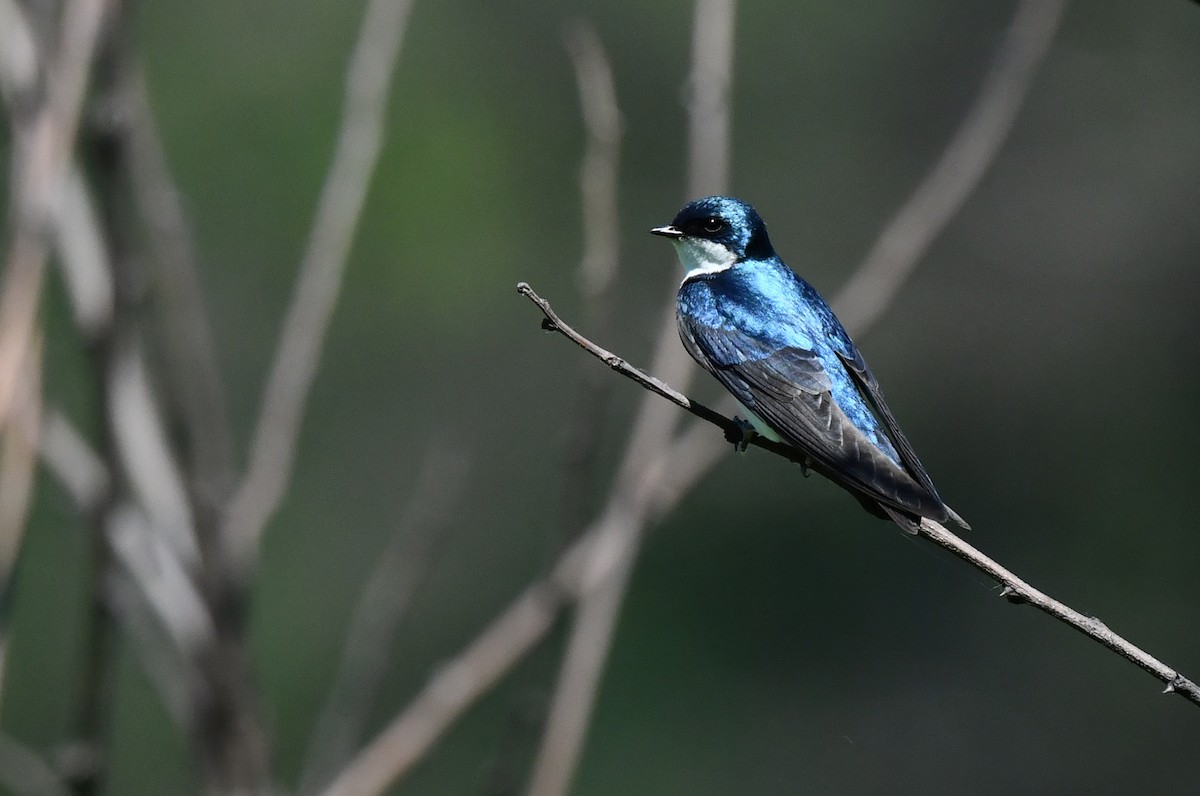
{"type": "Point", "coordinates": [714, 233]}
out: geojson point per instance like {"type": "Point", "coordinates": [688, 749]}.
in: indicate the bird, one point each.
{"type": "Point", "coordinates": [773, 342]}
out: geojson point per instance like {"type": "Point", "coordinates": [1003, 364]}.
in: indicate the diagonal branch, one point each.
{"type": "Point", "coordinates": [671, 471]}
{"type": "Point", "coordinates": [191, 362]}
{"type": "Point", "coordinates": [734, 430]}
{"type": "Point", "coordinates": [24, 773]}
{"type": "Point", "coordinates": [591, 635]}
{"type": "Point", "coordinates": [367, 652]}
{"type": "Point", "coordinates": [463, 679]}
{"type": "Point", "coordinates": [273, 449]}
{"type": "Point", "coordinates": [41, 157]}
{"type": "Point", "coordinates": [1013, 587]}
{"type": "Point", "coordinates": [598, 176]}
{"type": "Point", "coordinates": [958, 171]}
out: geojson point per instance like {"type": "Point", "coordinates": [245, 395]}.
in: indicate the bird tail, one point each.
{"type": "Point", "coordinates": [911, 523]}
{"type": "Point", "coordinates": [954, 518]}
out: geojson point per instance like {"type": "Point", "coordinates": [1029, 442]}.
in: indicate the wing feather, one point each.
{"type": "Point", "coordinates": [790, 389]}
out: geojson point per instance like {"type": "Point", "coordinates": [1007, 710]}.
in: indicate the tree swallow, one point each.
{"type": "Point", "coordinates": [772, 341]}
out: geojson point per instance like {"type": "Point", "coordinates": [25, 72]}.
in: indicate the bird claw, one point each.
{"type": "Point", "coordinates": [1012, 595]}
{"type": "Point", "coordinates": [742, 436]}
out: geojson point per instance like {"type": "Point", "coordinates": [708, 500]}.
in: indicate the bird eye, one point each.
{"type": "Point", "coordinates": [713, 225]}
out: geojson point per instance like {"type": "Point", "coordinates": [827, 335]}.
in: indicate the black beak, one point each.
{"type": "Point", "coordinates": [667, 232]}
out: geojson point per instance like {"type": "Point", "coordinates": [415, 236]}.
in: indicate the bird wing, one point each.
{"type": "Point", "coordinates": [790, 390]}
{"type": "Point", "coordinates": [869, 387]}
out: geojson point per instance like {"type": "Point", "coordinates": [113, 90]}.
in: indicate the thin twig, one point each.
{"type": "Point", "coordinates": [145, 452]}
{"type": "Point", "coordinates": [707, 100]}
{"type": "Point", "coordinates": [598, 172]}
{"type": "Point", "coordinates": [367, 651]}
{"type": "Point", "coordinates": [581, 480]}
{"type": "Point", "coordinates": [131, 598]}
{"type": "Point", "coordinates": [673, 474]}
{"type": "Point", "coordinates": [273, 449]}
{"type": "Point", "coordinates": [18, 456]}
{"type": "Point", "coordinates": [941, 194]}
{"type": "Point", "coordinates": [195, 379]}
{"type": "Point", "coordinates": [595, 624]}
{"type": "Point", "coordinates": [959, 169]}
{"type": "Point", "coordinates": [41, 154]}
{"type": "Point", "coordinates": [455, 686]}
{"type": "Point", "coordinates": [1012, 587]}
{"type": "Point", "coordinates": [43, 136]}
{"type": "Point", "coordinates": [451, 690]}
{"type": "Point", "coordinates": [732, 428]}
{"type": "Point", "coordinates": [601, 258]}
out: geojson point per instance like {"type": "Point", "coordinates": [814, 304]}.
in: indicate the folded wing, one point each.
{"type": "Point", "coordinates": [790, 389]}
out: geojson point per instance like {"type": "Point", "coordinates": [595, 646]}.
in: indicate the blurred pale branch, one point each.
{"type": "Point", "coordinates": [609, 544]}
{"type": "Point", "coordinates": [962, 164]}
{"type": "Point", "coordinates": [459, 682]}
{"type": "Point", "coordinates": [598, 172]}
{"type": "Point", "coordinates": [595, 622]}
{"type": "Point", "coordinates": [42, 143]}
{"type": "Point", "coordinates": [44, 125]}
{"type": "Point", "coordinates": [23, 773]}
{"type": "Point", "coordinates": [85, 477]}
{"type": "Point", "coordinates": [273, 448]}
{"type": "Point", "coordinates": [18, 456]}
{"type": "Point", "coordinates": [1013, 588]}
{"type": "Point", "coordinates": [581, 481]}
{"type": "Point", "coordinates": [600, 259]}
{"type": "Point", "coordinates": [191, 363]}
{"type": "Point", "coordinates": [370, 639]}
{"type": "Point", "coordinates": [186, 635]}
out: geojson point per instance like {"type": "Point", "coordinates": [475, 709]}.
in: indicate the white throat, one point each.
{"type": "Point", "coordinates": [700, 256]}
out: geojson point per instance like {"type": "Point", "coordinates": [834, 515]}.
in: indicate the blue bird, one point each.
{"type": "Point", "coordinates": [772, 341]}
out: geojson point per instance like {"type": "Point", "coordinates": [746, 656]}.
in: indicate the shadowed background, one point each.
{"type": "Point", "coordinates": [776, 639]}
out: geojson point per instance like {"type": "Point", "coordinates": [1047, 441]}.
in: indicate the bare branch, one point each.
{"type": "Point", "coordinates": [708, 97]}
{"type": "Point", "coordinates": [18, 455]}
{"type": "Point", "coordinates": [598, 173]}
{"type": "Point", "coordinates": [599, 263]}
{"type": "Point", "coordinates": [960, 168]}
{"type": "Point", "coordinates": [591, 636]}
{"type": "Point", "coordinates": [41, 154]}
{"type": "Point", "coordinates": [18, 452]}
{"type": "Point", "coordinates": [272, 452]}
{"type": "Point", "coordinates": [367, 652]}
{"type": "Point", "coordinates": [43, 137]}
{"type": "Point", "coordinates": [669, 474]}
{"type": "Point", "coordinates": [71, 460]}
{"type": "Point", "coordinates": [1018, 591]}
{"type": "Point", "coordinates": [145, 452]}
{"type": "Point", "coordinates": [84, 263]}
{"type": "Point", "coordinates": [159, 641]}
{"type": "Point", "coordinates": [1013, 588]}
{"type": "Point", "coordinates": [453, 688]}
{"type": "Point", "coordinates": [581, 480]}
{"type": "Point", "coordinates": [941, 194]}
{"type": "Point", "coordinates": [192, 362]}
{"type": "Point", "coordinates": [24, 773]}
{"type": "Point", "coordinates": [733, 430]}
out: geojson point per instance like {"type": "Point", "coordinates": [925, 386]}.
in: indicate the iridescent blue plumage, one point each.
{"type": "Point", "coordinates": [772, 341]}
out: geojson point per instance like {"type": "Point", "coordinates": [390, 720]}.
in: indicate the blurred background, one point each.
{"type": "Point", "coordinates": [1043, 360]}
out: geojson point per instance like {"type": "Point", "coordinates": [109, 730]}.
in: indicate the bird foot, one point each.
{"type": "Point", "coordinates": [742, 436]}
